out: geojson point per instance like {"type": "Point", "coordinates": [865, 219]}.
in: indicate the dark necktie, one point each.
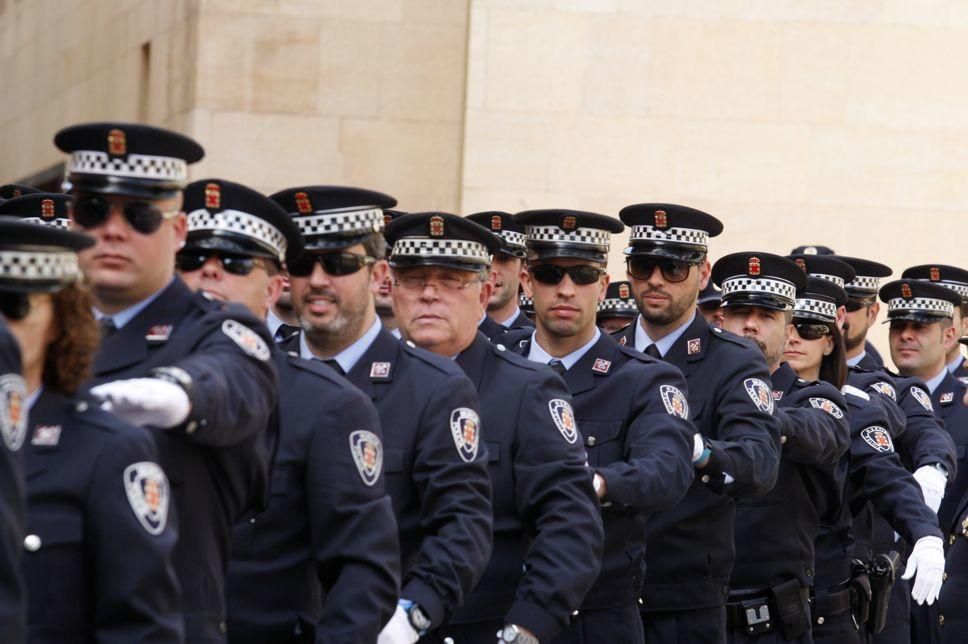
{"type": "Point", "coordinates": [653, 351]}
{"type": "Point", "coordinates": [108, 328]}
{"type": "Point", "coordinates": [557, 366]}
{"type": "Point", "coordinates": [285, 331]}
{"type": "Point", "coordinates": [332, 364]}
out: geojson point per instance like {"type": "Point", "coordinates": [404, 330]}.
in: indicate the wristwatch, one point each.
{"type": "Point", "coordinates": [174, 375]}
{"type": "Point", "coordinates": [941, 468]}
{"type": "Point", "coordinates": [512, 633]}
{"type": "Point", "coordinates": [418, 618]}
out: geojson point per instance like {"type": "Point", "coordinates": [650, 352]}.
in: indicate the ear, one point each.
{"type": "Point", "coordinates": [704, 271]}
{"type": "Point", "coordinates": [378, 274]}
{"type": "Point", "coordinates": [949, 337]}
{"type": "Point", "coordinates": [273, 290]}
{"type": "Point", "coordinates": [605, 280]}
{"type": "Point", "coordinates": [179, 226]}
{"type": "Point", "coordinates": [828, 345]}
{"type": "Point", "coordinates": [841, 317]}
{"type": "Point", "coordinates": [487, 288]}
{"type": "Point", "coordinates": [872, 312]}
{"type": "Point", "coordinates": [526, 284]}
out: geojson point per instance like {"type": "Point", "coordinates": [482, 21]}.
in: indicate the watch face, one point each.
{"type": "Point", "coordinates": [419, 619]}
{"type": "Point", "coordinates": [510, 633]}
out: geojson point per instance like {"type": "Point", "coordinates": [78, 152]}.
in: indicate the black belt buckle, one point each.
{"type": "Point", "coordinates": [756, 612]}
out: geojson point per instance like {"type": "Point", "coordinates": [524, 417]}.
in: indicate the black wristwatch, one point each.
{"type": "Point", "coordinates": [512, 633]}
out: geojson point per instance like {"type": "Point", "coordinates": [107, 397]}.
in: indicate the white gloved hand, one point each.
{"type": "Point", "coordinates": [398, 630]}
{"type": "Point", "coordinates": [145, 401]}
{"type": "Point", "coordinates": [698, 445]}
{"type": "Point", "coordinates": [932, 483]}
{"type": "Point", "coordinates": [927, 560]}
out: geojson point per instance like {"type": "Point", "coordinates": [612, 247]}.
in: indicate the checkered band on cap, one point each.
{"type": "Point", "coordinates": [617, 304]}
{"type": "Point", "coordinates": [864, 283]}
{"type": "Point", "coordinates": [926, 305]}
{"type": "Point", "coordinates": [242, 223]}
{"type": "Point", "coordinates": [513, 238]}
{"type": "Point", "coordinates": [579, 236]}
{"type": "Point", "coordinates": [960, 289]}
{"type": "Point", "coordinates": [456, 249]}
{"type": "Point", "coordinates": [676, 235]}
{"type": "Point", "coordinates": [135, 166]}
{"type": "Point", "coordinates": [834, 279]}
{"type": "Point", "coordinates": [823, 308]}
{"type": "Point", "coordinates": [58, 222]}
{"type": "Point", "coordinates": [745, 284]}
{"type": "Point", "coordinates": [341, 222]}
{"type": "Point", "coordinates": [38, 266]}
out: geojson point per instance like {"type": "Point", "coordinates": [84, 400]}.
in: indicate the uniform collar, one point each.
{"type": "Point", "coordinates": [933, 383]}
{"type": "Point", "coordinates": [273, 322]}
{"type": "Point", "coordinates": [783, 379]}
{"type": "Point", "coordinates": [853, 362]}
{"type": "Point", "coordinates": [509, 322]}
{"type": "Point", "coordinates": [32, 398]}
{"type": "Point", "coordinates": [474, 357]}
{"type": "Point", "coordinates": [538, 354]}
{"type": "Point", "coordinates": [956, 363]}
{"type": "Point", "coordinates": [123, 317]}
{"type": "Point", "coordinates": [642, 339]}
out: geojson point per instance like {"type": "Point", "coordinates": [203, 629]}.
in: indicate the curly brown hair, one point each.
{"type": "Point", "coordinates": [71, 354]}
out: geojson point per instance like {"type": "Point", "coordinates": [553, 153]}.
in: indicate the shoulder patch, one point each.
{"type": "Point", "coordinates": [854, 391]}
{"type": "Point", "coordinates": [564, 419]}
{"type": "Point", "coordinates": [693, 346]}
{"type": "Point", "coordinates": [601, 365]}
{"type": "Point", "coordinates": [247, 339]}
{"type": "Point", "coordinates": [46, 435]}
{"type": "Point", "coordinates": [465, 426]}
{"type": "Point", "coordinates": [675, 401]}
{"type": "Point", "coordinates": [946, 398]}
{"type": "Point", "coordinates": [367, 451]}
{"type": "Point", "coordinates": [13, 410]}
{"type": "Point", "coordinates": [760, 393]}
{"type": "Point", "coordinates": [878, 438]}
{"type": "Point", "coordinates": [885, 389]}
{"type": "Point", "coordinates": [922, 397]}
{"type": "Point", "coordinates": [828, 406]}
{"type": "Point", "coordinates": [146, 486]}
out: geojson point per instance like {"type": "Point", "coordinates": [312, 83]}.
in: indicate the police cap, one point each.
{"type": "Point", "coordinates": [335, 217]}
{"type": "Point", "coordinates": [759, 279]}
{"type": "Point", "coordinates": [507, 228]}
{"type": "Point", "coordinates": [669, 230]}
{"type": "Point", "coordinates": [440, 239]}
{"type": "Point", "coordinates": [577, 234]}
{"type": "Point", "coordinates": [48, 208]}
{"type": "Point", "coordinates": [917, 301]}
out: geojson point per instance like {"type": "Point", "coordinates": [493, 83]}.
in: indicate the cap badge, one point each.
{"type": "Point", "coordinates": [496, 222]}
{"type": "Point", "coordinates": [753, 268]}
{"type": "Point", "coordinates": [568, 223]}
{"type": "Point", "coordinates": [387, 218]}
{"type": "Point", "coordinates": [117, 143]}
{"type": "Point", "coordinates": [436, 226]}
{"type": "Point", "coordinates": [661, 219]}
{"type": "Point", "coordinates": [303, 205]}
{"type": "Point", "coordinates": [935, 274]}
{"type": "Point", "coordinates": [17, 193]}
{"type": "Point", "coordinates": [213, 196]}
{"type": "Point", "coordinates": [802, 264]}
{"type": "Point", "coordinates": [623, 291]}
{"type": "Point", "coordinates": [906, 291]}
{"type": "Point", "coordinates": [47, 208]}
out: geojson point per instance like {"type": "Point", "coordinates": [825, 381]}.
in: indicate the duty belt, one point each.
{"type": "Point", "coordinates": [750, 613]}
{"type": "Point", "coordinates": [829, 602]}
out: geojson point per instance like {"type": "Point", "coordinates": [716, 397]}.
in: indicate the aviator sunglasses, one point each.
{"type": "Point", "coordinates": [812, 330]}
{"type": "Point", "coordinates": [553, 274]}
{"type": "Point", "coordinates": [336, 264]}
{"type": "Point", "coordinates": [90, 211]}
{"type": "Point", "coordinates": [642, 267]}
{"type": "Point", "coordinates": [234, 264]}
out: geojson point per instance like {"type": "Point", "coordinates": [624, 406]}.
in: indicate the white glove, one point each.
{"type": "Point", "coordinates": [932, 483]}
{"type": "Point", "coordinates": [698, 445]}
{"type": "Point", "coordinates": [927, 560]}
{"type": "Point", "coordinates": [398, 630]}
{"type": "Point", "coordinates": [145, 401]}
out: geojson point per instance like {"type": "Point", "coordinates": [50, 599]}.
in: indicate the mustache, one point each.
{"type": "Point", "coordinates": [653, 291]}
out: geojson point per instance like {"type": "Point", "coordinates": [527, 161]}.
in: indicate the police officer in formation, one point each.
{"type": "Point", "coordinates": [547, 527]}
{"type": "Point", "coordinates": [772, 578]}
{"type": "Point", "coordinates": [690, 549]}
{"type": "Point", "coordinates": [631, 409]}
{"type": "Point", "coordinates": [618, 308]}
{"type": "Point", "coordinates": [717, 485]}
{"type": "Point", "coordinates": [320, 563]}
{"type": "Point", "coordinates": [434, 460]}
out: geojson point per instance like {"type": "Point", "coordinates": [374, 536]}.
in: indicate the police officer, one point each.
{"type": "Point", "coordinates": [862, 311]}
{"type": "Point", "coordinates": [631, 409]}
{"type": "Point", "coordinates": [774, 571]}
{"type": "Point", "coordinates": [618, 309]}
{"type": "Point", "coordinates": [710, 300]}
{"type": "Point", "coordinates": [436, 474]}
{"type": "Point", "coordinates": [97, 556]}
{"type": "Point", "coordinates": [957, 280]}
{"type": "Point", "coordinates": [690, 550]}
{"type": "Point", "coordinates": [503, 312]}
{"type": "Point", "coordinates": [321, 562]}
{"type": "Point", "coordinates": [384, 303]}
{"type": "Point", "coordinates": [198, 372]}
{"type": "Point", "coordinates": [547, 528]}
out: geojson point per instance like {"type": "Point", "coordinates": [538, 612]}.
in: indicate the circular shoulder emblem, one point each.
{"type": "Point", "coordinates": [878, 438]}
{"type": "Point", "coordinates": [367, 453]}
{"type": "Point", "coordinates": [922, 397]}
{"type": "Point", "coordinates": [247, 339]}
{"type": "Point", "coordinates": [675, 401]}
{"type": "Point", "coordinates": [760, 393]}
{"type": "Point", "coordinates": [465, 426]}
{"type": "Point", "coordinates": [147, 489]}
{"type": "Point", "coordinates": [828, 406]}
{"type": "Point", "coordinates": [885, 389]}
{"type": "Point", "coordinates": [13, 410]}
{"type": "Point", "coordinates": [564, 419]}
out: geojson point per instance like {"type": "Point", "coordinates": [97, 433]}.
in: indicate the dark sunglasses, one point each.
{"type": "Point", "coordinates": [812, 330]}
{"type": "Point", "coordinates": [14, 306]}
{"type": "Point", "coordinates": [92, 211]}
{"type": "Point", "coordinates": [673, 270]}
{"type": "Point", "coordinates": [236, 265]}
{"type": "Point", "coordinates": [336, 264]}
{"type": "Point", "coordinates": [552, 274]}
{"type": "Point", "coordinates": [854, 304]}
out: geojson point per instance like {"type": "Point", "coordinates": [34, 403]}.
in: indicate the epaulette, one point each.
{"type": "Point", "coordinates": [722, 334]}
{"type": "Point", "coordinates": [438, 363]}
{"type": "Point", "coordinates": [849, 390]}
{"type": "Point", "coordinates": [503, 351]}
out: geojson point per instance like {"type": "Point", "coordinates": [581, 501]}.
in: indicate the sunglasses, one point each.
{"type": "Point", "coordinates": [812, 330]}
{"type": "Point", "coordinates": [14, 306]}
{"type": "Point", "coordinates": [854, 304]}
{"type": "Point", "coordinates": [236, 265]}
{"type": "Point", "coordinates": [673, 270]}
{"type": "Point", "coordinates": [90, 212]}
{"type": "Point", "coordinates": [336, 264]}
{"type": "Point", "coordinates": [553, 274]}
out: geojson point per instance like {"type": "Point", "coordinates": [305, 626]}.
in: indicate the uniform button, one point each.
{"type": "Point", "coordinates": [191, 427]}
{"type": "Point", "coordinates": [944, 576]}
{"type": "Point", "coordinates": [704, 478]}
{"type": "Point", "coordinates": [951, 540]}
{"type": "Point", "coordinates": [574, 613]}
{"type": "Point", "coordinates": [32, 542]}
{"type": "Point", "coordinates": [782, 440]}
{"type": "Point", "coordinates": [501, 347]}
{"type": "Point", "coordinates": [81, 406]}
{"type": "Point", "coordinates": [252, 520]}
{"type": "Point", "coordinates": [820, 620]}
{"type": "Point", "coordinates": [222, 627]}
{"type": "Point", "coordinates": [641, 602]}
{"type": "Point", "coordinates": [809, 572]}
{"type": "Point", "coordinates": [590, 441]}
{"type": "Point", "coordinates": [940, 620]}
{"type": "Point", "coordinates": [203, 422]}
